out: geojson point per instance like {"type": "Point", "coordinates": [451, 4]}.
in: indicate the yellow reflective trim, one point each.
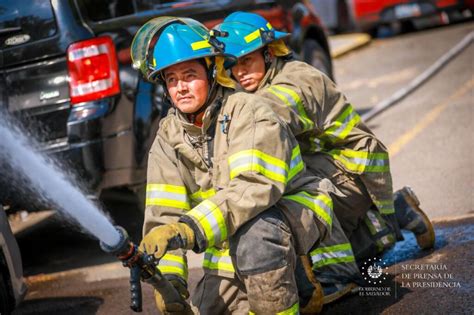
{"type": "Point", "coordinates": [295, 169]}
{"type": "Point", "coordinates": [167, 203]}
{"type": "Point", "coordinates": [252, 36]}
{"type": "Point", "coordinates": [220, 264]}
{"type": "Point", "coordinates": [385, 206]}
{"type": "Point", "coordinates": [201, 195]}
{"type": "Point", "coordinates": [200, 45]}
{"type": "Point", "coordinates": [311, 202]}
{"type": "Point", "coordinates": [253, 165]}
{"type": "Point", "coordinates": [333, 261]}
{"type": "Point", "coordinates": [267, 158]}
{"type": "Point", "coordinates": [294, 310]}
{"type": "Point", "coordinates": [173, 270]}
{"type": "Point", "coordinates": [210, 217]}
{"type": "Point", "coordinates": [334, 132]}
{"type": "Point", "coordinates": [162, 195]}
{"type": "Point", "coordinates": [362, 161]}
{"type": "Point", "coordinates": [269, 26]}
{"type": "Point", "coordinates": [167, 188]}
{"type": "Point", "coordinates": [333, 248]}
{"type": "Point", "coordinates": [174, 264]}
{"type": "Point", "coordinates": [171, 257]}
{"type": "Point", "coordinates": [259, 169]}
{"type": "Point", "coordinates": [294, 103]}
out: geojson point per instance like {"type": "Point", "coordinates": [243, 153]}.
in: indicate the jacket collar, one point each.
{"type": "Point", "coordinates": [210, 115]}
{"type": "Point", "coordinates": [275, 68]}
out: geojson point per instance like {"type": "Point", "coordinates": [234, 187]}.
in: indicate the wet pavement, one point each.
{"type": "Point", "coordinates": [438, 281]}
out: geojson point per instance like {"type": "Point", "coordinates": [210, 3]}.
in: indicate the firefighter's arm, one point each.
{"type": "Point", "coordinates": [262, 159]}
{"type": "Point", "coordinates": [166, 201]}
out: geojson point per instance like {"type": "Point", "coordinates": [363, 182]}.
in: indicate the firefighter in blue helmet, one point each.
{"type": "Point", "coordinates": [335, 142]}
{"type": "Point", "coordinates": [226, 178]}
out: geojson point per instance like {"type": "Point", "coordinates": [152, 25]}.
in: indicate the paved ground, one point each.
{"type": "Point", "coordinates": [439, 281]}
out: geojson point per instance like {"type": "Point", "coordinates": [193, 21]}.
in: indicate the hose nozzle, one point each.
{"type": "Point", "coordinates": [123, 249]}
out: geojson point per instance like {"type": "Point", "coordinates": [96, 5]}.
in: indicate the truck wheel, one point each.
{"type": "Point", "coordinates": [315, 55]}
{"type": "Point", "coordinates": [5, 302]}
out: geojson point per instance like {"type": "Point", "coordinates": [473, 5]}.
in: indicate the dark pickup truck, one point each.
{"type": "Point", "coordinates": [66, 74]}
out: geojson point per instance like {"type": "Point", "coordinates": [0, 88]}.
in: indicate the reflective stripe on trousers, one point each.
{"type": "Point", "coordinates": [173, 264]}
{"type": "Point", "coordinates": [218, 259]}
{"type": "Point", "coordinates": [295, 309]}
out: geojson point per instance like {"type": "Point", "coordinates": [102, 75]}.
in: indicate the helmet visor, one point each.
{"type": "Point", "coordinates": [145, 38]}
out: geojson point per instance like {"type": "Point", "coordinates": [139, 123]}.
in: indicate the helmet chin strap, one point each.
{"type": "Point", "coordinates": [267, 58]}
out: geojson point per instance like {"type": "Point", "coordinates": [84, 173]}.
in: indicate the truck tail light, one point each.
{"type": "Point", "coordinates": [93, 70]}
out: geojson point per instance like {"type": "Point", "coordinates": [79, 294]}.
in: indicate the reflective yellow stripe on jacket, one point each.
{"type": "Point", "coordinates": [362, 161]}
{"type": "Point", "coordinates": [342, 126]}
{"type": "Point", "coordinates": [211, 219]}
{"type": "Point", "coordinates": [167, 196]}
{"type": "Point", "coordinates": [269, 166]}
{"type": "Point", "coordinates": [201, 195]}
{"type": "Point", "coordinates": [257, 161]}
{"type": "Point", "coordinates": [296, 164]}
{"type": "Point", "coordinates": [335, 254]}
{"type": "Point", "coordinates": [173, 264]}
{"type": "Point", "coordinates": [321, 205]}
{"type": "Point", "coordinates": [218, 259]}
{"type": "Point", "coordinates": [316, 144]}
{"type": "Point", "coordinates": [292, 99]}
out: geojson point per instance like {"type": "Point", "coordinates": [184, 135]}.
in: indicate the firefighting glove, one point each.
{"type": "Point", "coordinates": [180, 285]}
{"type": "Point", "coordinates": [167, 237]}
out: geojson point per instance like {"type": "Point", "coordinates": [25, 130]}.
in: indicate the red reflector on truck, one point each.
{"type": "Point", "coordinates": [93, 70]}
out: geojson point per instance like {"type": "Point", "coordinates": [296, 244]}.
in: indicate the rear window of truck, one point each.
{"type": "Point", "coordinates": [23, 21]}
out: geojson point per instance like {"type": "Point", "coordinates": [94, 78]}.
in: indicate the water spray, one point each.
{"type": "Point", "coordinates": [142, 267]}
{"type": "Point", "coordinates": [51, 183]}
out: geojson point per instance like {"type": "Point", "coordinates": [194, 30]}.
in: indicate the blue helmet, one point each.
{"type": "Point", "coordinates": [247, 32]}
{"type": "Point", "coordinates": [165, 41]}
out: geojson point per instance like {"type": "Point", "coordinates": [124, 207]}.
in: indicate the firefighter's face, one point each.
{"type": "Point", "coordinates": [187, 85]}
{"type": "Point", "coordinates": [250, 70]}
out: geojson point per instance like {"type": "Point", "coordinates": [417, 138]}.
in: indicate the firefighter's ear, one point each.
{"type": "Point", "coordinates": [268, 55]}
{"type": "Point", "coordinates": [271, 51]}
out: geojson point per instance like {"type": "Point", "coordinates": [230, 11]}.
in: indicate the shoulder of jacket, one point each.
{"type": "Point", "coordinates": [299, 75]}
{"type": "Point", "coordinates": [249, 104]}
{"type": "Point", "coordinates": [169, 126]}
{"type": "Point", "coordinates": [294, 69]}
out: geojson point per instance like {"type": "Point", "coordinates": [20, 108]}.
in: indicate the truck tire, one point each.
{"type": "Point", "coordinates": [5, 302]}
{"type": "Point", "coordinates": [315, 55]}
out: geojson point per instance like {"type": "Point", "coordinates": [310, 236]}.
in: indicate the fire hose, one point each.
{"type": "Point", "coordinates": [143, 267]}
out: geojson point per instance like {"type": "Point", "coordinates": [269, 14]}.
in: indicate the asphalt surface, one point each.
{"type": "Point", "coordinates": [430, 138]}
{"type": "Point", "coordinates": [436, 121]}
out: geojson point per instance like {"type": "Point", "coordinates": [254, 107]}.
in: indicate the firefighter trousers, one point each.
{"type": "Point", "coordinates": [269, 276]}
{"type": "Point", "coordinates": [369, 232]}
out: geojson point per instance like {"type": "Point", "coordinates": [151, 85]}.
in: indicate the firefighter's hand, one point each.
{"type": "Point", "coordinates": [180, 285]}
{"type": "Point", "coordinates": [167, 237]}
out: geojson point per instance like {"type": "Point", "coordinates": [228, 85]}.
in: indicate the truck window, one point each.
{"type": "Point", "coordinates": [23, 21]}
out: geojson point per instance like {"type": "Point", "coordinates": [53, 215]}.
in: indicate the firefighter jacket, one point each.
{"type": "Point", "coordinates": [242, 161]}
{"type": "Point", "coordinates": [322, 120]}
